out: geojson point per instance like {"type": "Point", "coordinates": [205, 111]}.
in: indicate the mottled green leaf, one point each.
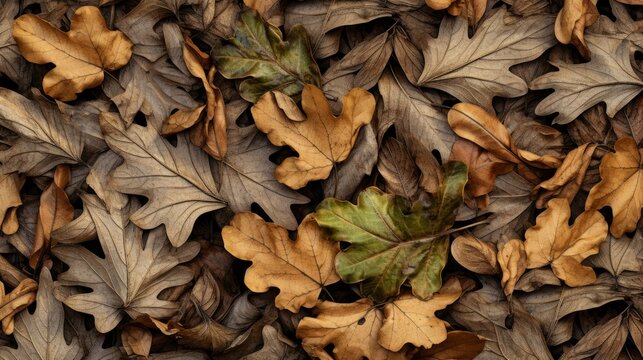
{"type": "Point", "coordinates": [258, 51]}
{"type": "Point", "coordinates": [393, 241]}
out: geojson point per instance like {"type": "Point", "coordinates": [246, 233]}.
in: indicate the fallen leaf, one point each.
{"type": "Point", "coordinates": [568, 177]}
{"type": "Point", "coordinates": [398, 169]}
{"type": "Point", "coordinates": [184, 168]}
{"type": "Point", "coordinates": [512, 259]}
{"type": "Point", "coordinates": [81, 55]}
{"type": "Point", "coordinates": [299, 269]}
{"type": "Point", "coordinates": [619, 255]}
{"type": "Point", "coordinates": [621, 190]}
{"type": "Point", "coordinates": [16, 301]}
{"type": "Point", "coordinates": [40, 335]}
{"type": "Point", "coordinates": [258, 51]}
{"type": "Point", "coordinates": [604, 341]}
{"type": "Point", "coordinates": [553, 242]}
{"type": "Point", "coordinates": [629, 121]}
{"type": "Point", "coordinates": [248, 176]}
{"type": "Point", "coordinates": [392, 241]}
{"type": "Point", "coordinates": [322, 141]}
{"type": "Point", "coordinates": [130, 277]}
{"type": "Point", "coordinates": [577, 87]}
{"type": "Point", "coordinates": [136, 340]}
{"type": "Point", "coordinates": [10, 184]}
{"type": "Point", "coordinates": [571, 22]}
{"type": "Point", "coordinates": [55, 211]}
{"type": "Point", "coordinates": [46, 140]}
{"type": "Point", "coordinates": [472, 10]}
{"type": "Point", "coordinates": [461, 345]}
{"type": "Point", "coordinates": [13, 64]}
{"type": "Point", "coordinates": [275, 346]}
{"type": "Point", "coordinates": [271, 10]}
{"type": "Point", "coordinates": [468, 68]}
{"type": "Point", "coordinates": [475, 255]}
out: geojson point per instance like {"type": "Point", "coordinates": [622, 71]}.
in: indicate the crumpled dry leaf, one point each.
{"type": "Point", "coordinates": [10, 185]}
{"type": "Point", "coordinates": [608, 77]}
{"type": "Point", "coordinates": [604, 341]}
{"type": "Point", "coordinates": [553, 242]}
{"type": "Point", "coordinates": [299, 269]}
{"type": "Point", "coordinates": [360, 329]}
{"type": "Point", "coordinates": [55, 211]}
{"type": "Point", "coordinates": [468, 68]}
{"type": "Point", "coordinates": [275, 346]}
{"type": "Point", "coordinates": [17, 300]}
{"type": "Point", "coordinates": [46, 139]}
{"type": "Point", "coordinates": [130, 277]}
{"type": "Point", "coordinates": [271, 10]}
{"type": "Point", "coordinates": [512, 259]}
{"type": "Point", "coordinates": [322, 140]}
{"type": "Point", "coordinates": [568, 177]}
{"type": "Point", "coordinates": [620, 186]}
{"type": "Point", "coordinates": [475, 255]}
{"type": "Point", "coordinates": [40, 335]}
{"type": "Point", "coordinates": [461, 345]}
{"type": "Point", "coordinates": [166, 169]}
{"type": "Point", "coordinates": [472, 10]}
{"type": "Point", "coordinates": [81, 55]}
{"type": "Point", "coordinates": [136, 340]}
{"type": "Point", "coordinates": [12, 63]}
{"type": "Point", "coordinates": [398, 169]}
{"type": "Point", "coordinates": [394, 241]}
{"type": "Point", "coordinates": [571, 22]}
{"type": "Point", "coordinates": [258, 51]}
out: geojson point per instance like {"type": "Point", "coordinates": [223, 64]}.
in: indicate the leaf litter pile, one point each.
{"type": "Point", "coordinates": [348, 179]}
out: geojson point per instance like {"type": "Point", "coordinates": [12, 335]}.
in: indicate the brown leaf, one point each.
{"type": "Point", "coordinates": [513, 262]}
{"type": "Point", "coordinates": [571, 22]}
{"type": "Point", "coordinates": [14, 302]}
{"type": "Point", "coordinates": [621, 189]}
{"type": "Point", "coordinates": [553, 242]}
{"type": "Point", "coordinates": [136, 340]}
{"type": "Point", "coordinates": [55, 211]}
{"type": "Point", "coordinates": [475, 255]}
{"type": "Point", "coordinates": [10, 185]}
{"type": "Point", "coordinates": [299, 269]}
{"type": "Point", "coordinates": [472, 10]}
{"type": "Point", "coordinates": [619, 255]}
{"type": "Point", "coordinates": [603, 341]}
{"type": "Point", "coordinates": [208, 335]}
{"type": "Point", "coordinates": [398, 169]}
{"type": "Point", "coordinates": [629, 121]}
{"type": "Point", "coordinates": [568, 177]}
{"type": "Point", "coordinates": [322, 141]}
{"type": "Point", "coordinates": [81, 55]}
{"type": "Point", "coordinates": [270, 10]}
{"type": "Point", "coordinates": [11, 64]}
{"type": "Point", "coordinates": [461, 345]}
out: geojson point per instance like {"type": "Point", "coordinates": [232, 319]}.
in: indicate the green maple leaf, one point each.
{"type": "Point", "coordinates": [393, 241]}
{"type": "Point", "coordinates": [258, 51]}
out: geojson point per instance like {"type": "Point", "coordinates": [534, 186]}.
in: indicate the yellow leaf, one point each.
{"type": "Point", "coordinates": [553, 242]}
{"type": "Point", "coordinates": [300, 269]}
{"type": "Point", "coordinates": [621, 186]}
{"type": "Point", "coordinates": [81, 55]}
{"type": "Point", "coordinates": [322, 140]}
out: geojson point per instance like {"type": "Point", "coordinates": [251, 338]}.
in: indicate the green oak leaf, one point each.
{"type": "Point", "coordinates": [392, 240]}
{"type": "Point", "coordinates": [258, 51]}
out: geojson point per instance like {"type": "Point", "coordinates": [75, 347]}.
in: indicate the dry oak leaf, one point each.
{"type": "Point", "coordinates": [475, 255]}
{"type": "Point", "coordinates": [40, 335]}
{"type": "Point", "coordinates": [476, 69]}
{"type": "Point", "coordinates": [608, 77]}
{"type": "Point", "coordinates": [572, 20]}
{"type": "Point", "coordinates": [360, 329]}
{"type": "Point", "coordinates": [14, 302]}
{"type": "Point", "coordinates": [472, 10]}
{"type": "Point", "coordinates": [81, 55]}
{"type": "Point", "coordinates": [177, 180]}
{"type": "Point", "coordinates": [553, 242]}
{"type": "Point", "coordinates": [132, 274]}
{"type": "Point", "coordinates": [621, 186]}
{"type": "Point", "coordinates": [322, 140]}
{"type": "Point", "coordinates": [299, 269]}
{"type": "Point", "coordinates": [12, 64]}
{"type": "Point", "coordinates": [10, 185]}
{"type": "Point", "coordinates": [512, 259]}
{"type": "Point", "coordinates": [460, 345]}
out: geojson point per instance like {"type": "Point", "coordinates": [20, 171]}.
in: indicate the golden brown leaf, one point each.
{"type": "Point", "coordinates": [322, 140]}
{"type": "Point", "coordinates": [137, 340]}
{"type": "Point", "coordinates": [553, 242]}
{"type": "Point", "coordinates": [10, 185]}
{"type": "Point", "coordinates": [55, 211]}
{"type": "Point", "coordinates": [460, 345]}
{"type": "Point", "coordinates": [568, 177]}
{"type": "Point", "coordinates": [81, 55]}
{"type": "Point", "coordinates": [270, 10]}
{"type": "Point", "coordinates": [475, 255]}
{"type": "Point", "coordinates": [16, 301]}
{"type": "Point", "coordinates": [571, 22]}
{"type": "Point", "coordinates": [299, 269]}
{"type": "Point", "coordinates": [621, 186]}
{"type": "Point", "coordinates": [472, 10]}
{"type": "Point", "coordinates": [513, 262]}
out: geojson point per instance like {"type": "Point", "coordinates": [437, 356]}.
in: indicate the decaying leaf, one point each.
{"type": "Point", "coordinates": [40, 335]}
{"type": "Point", "coordinates": [571, 22]}
{"type": "Point", "coordinates": [608, 77]}
{"type": "Point", "coordinates": [461, 345]}
{"type": "Point", "coordinates": [14, 302]}
{"type": "Point", "coordinates": [621, 186]}
{"type": "Point", "coordinates": [177, 180]}
{"type": "Point", "coordinates": [299, 269]}
{"type": "Point", "coordinates": [132, 274]}
{"type": "Point", "coordinates": [512, 259]}
{"type": "Point", "coordinates": [322, 140]}
{"type": "Point", "coordinates": [398, 169]}
{"type": "Point", "coordinates": [468, 68]}
{"type": "Point", "coordinates": [553, 242]}
{"type": "Point", "coordinates": [12, 64]}
{"type": "Point", "coordinates": [472, 10]}
{"type": "Point", "coordinates": [258, 51]}
{"type": "Point", "coordinates": [81, 55]}
{"type": "Point", "coordinates": [10, 185]}
{"type": "Point", "coordinates": [393, 241]}
{"type": "Point", "coordinates": [475, 255]}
